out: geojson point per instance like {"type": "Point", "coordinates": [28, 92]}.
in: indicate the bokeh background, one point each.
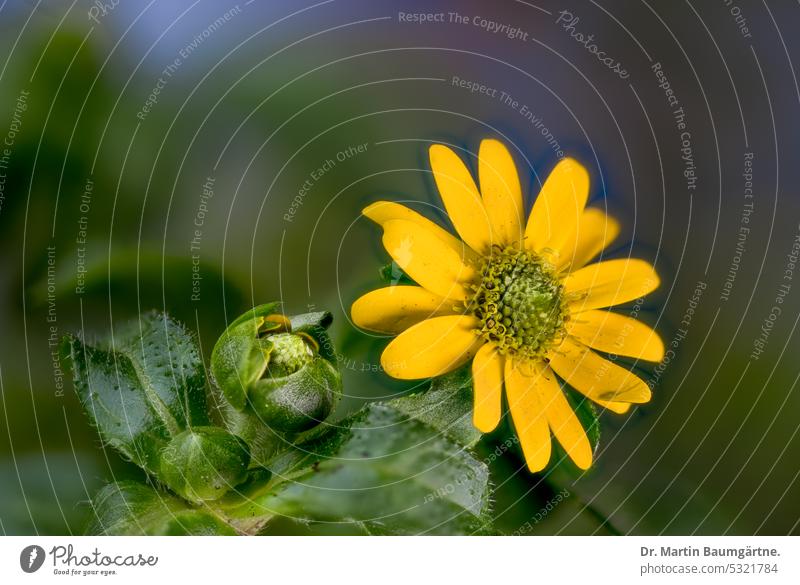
{"type": "Point", "coordinates": [167, 154]}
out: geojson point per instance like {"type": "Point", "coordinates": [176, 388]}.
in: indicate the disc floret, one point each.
{"type": "Point", "coordinates": [520, 303]}
{"type": "Point", "coordinates": [290, 353]}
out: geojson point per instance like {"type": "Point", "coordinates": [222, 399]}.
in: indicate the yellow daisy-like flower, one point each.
{"type": "Point", "coordinates": [517, 298]}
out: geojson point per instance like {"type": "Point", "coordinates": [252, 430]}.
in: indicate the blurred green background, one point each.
{"type": "Point", "coordinates": [174, 155]}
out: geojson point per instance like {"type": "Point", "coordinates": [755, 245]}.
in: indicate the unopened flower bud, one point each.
{"type": "Point", "coordinates": [203, 463]}
{"type": "Point", "coordinates": [281, 370]}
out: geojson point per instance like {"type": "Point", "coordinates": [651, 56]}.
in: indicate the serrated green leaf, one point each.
{"type": "Point", "coordinates": [131, 508]}
{"type": "Point", "coordinates": [446, 406]}
{"type": "Point", "coordinates": [143, 388]}
{"type": "Point", "coordinates": [168, 361]}
{"type": "Point", "coordinates": [381, 468]}
{"type": "Point", "coordinates": [111, 393]}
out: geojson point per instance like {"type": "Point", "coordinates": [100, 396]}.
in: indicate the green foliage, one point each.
{"type": "Point", "coordinates": [168, 364]}
{"type": "Point", "coordinates": [391, 273]}
{"type": "Point", "coordinates": [392, 474]}
{"type": "Point", "coordinates": [402, 467]}
{"type": "Point", "coordinates": [203, 463]}
{"type": "Point", "coordinates": [405, 466]}
{"type": "Point", "coordinates": [446, 406]}
{"type": "Point", "coordinates": [240, 356]}
{"type": "Point", "coordinates": [299, 401]}
{"type": "Point", "coordinates": [141, 387]}
{"type": "Point", "coordinates": [272, 367]}
{"type": "Point", "coordinates": [275, 377]}
{"type": "Point", "coordinates": [379, 469]}
{"type": "Point", "coordinates": [130, 508]}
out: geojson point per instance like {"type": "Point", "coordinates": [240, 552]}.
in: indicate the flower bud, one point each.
{"type": "Point", "coordinates": [203, 463]}
{"type": "Point", "coordinates": [298, 401]}
{"type": "Point", "coordinates": [281, 371]}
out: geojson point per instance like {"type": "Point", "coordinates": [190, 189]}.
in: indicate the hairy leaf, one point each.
{"type": "Point", "coordinates": [142, 387]}
{"type": "Point", "coordinates": [381, 469]}
{"type": "Point", "coordinates": [168, 362]}
{"type": "Point", "coordinates": [446, 406]}
{"type": "Point", "coordinates": [131, 508]}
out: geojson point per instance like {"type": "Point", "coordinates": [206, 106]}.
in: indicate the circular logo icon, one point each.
{"type": "Point", "coordinates": [31, 558]}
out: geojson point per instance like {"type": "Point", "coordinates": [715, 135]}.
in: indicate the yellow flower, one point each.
{"type": "Point", "coordinates": [517, 298]}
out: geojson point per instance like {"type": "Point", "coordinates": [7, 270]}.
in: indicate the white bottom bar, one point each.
{"type": "Point", "coordinates": [389, 560]}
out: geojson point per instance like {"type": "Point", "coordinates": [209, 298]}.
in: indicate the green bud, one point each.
{"type": "Point", "coordinates": [241, 354]}
{"type": "Point", "coordinates": [281, 372]}
{"type": "Point", "coordinates": [203, 463]}
{"type": "Point", "coordinates": [299, 401]}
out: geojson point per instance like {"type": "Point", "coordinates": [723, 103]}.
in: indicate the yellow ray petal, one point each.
{"type": "Point", "coordinates": [395, 308]}
{"type": "Point", "coordinates": [501, 192]}
{"type": "Point", "coordinates": [562, 419]}
{"type": "Point", "coordinates": [487, 382]}
{"type": "Point", "coordinates": [610, 283]}
{"type": "Point", "coordinates": [595, 231]}
{"type": "Point", "coordinates": [382, 211]}
{"type": "Point", "coordinates": [617, 334]}
{"type": "Point", "coordinates": [596, 377]}
{"type": "Point", "coordinates": [617, 407]}
{"type": "Point", "coordinates": [558, 207]}
{"type": "Point", "coordinates": [432, 348]}
{"type": "Point", "coordinates": [461, 198]}
{"type": "Point", "coordinates": [528, 415]}
{"type": "Point", "coordinates": [426, 259]}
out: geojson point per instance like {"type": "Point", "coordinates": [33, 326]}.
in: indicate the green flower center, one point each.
{"type": "Point", "coordinates": [290, 352]}
{"type": "Point", "coordinates": [520, 303]}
